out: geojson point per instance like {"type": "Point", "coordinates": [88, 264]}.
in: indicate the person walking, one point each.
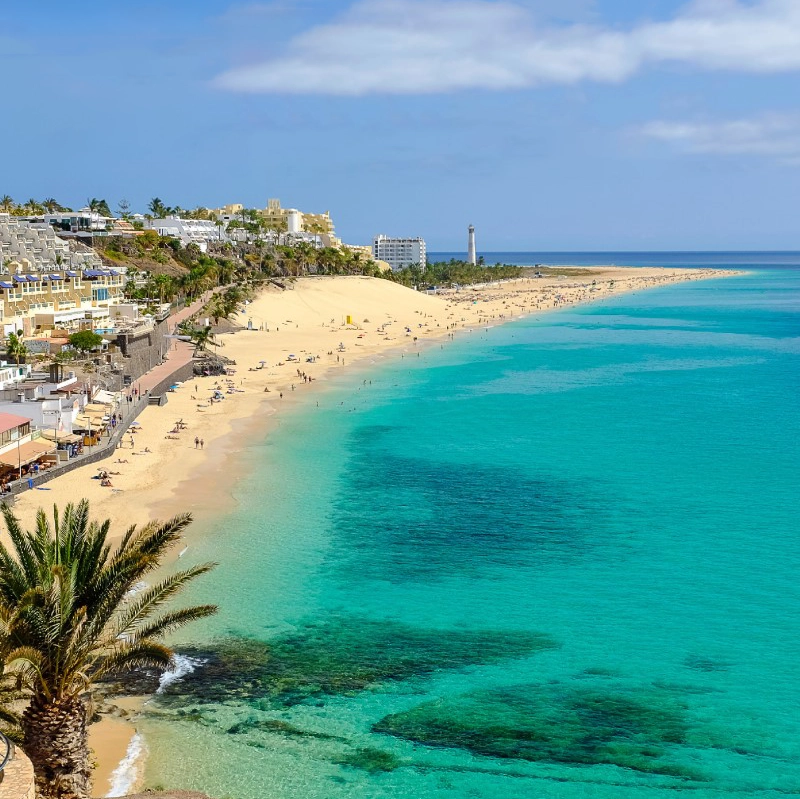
{"type": "Point", "coordinates": [196, 442]}
{"type": "Point", "coordinates": [202, 443]}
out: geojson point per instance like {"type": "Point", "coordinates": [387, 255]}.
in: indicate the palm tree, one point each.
{"type": "Point", "coordinates": [202, 337]}
{"type": "Point", "coordinates": [7, 203]}
{"type": "Point", "coordinates": [52, 206]}
{"type": "Point", "coordinates": [98, 206]}
{"type": "Point", "coordinates": [15, 347]}
{"type": "Point", "coordinates": [157, 208]}
{"type": "Point", "coordinates": [69, 617]}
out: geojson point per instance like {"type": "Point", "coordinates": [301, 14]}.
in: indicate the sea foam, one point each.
{"type": "Point", "coordinates": [123, 778]}
{"type": "Point", "coordinates": [180, 666]}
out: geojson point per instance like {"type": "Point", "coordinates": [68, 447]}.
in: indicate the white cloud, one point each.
{"type": "Point", "coordinates": [429, 46]}
{"type": "Point", "coordinates": [775, 136]}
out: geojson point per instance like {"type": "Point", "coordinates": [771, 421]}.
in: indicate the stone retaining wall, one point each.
{"type": "Point", "coordinates": [144, 350]}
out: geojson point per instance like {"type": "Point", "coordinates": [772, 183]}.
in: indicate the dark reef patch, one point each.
{"type": "Point", "coordinates": [556, 723]}
{"type": "Point", "coordinates": [705, 664]}
{"type": "Point", "coordinates": [277, 727]}
{"type": "Point", "coordinates": [414, 526]}
{"type": "Point", "coordinates": [339, 657]}
{"type": "Point", "coordinates": [370, 760]}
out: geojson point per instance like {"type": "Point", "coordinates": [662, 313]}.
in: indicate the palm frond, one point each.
{"type": "Point", "coordinates": [151, 599]}
{"type": "Point", "coordinates": [66, 613]}
{"type": "Point", "coordinates": [148, 654]}
{"type": "Point", "coordinates": [169, 622]}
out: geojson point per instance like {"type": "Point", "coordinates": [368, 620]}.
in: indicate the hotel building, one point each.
{"type": "Point", "coordinates": [46, 285]}
{"type": "Point", "coordinates": [399, 253]}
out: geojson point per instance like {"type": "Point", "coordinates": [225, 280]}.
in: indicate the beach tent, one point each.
{"type": "Point", "coordinates": [60, 436]}
{"type": "Point", "coordinates": [92, 422]}
{"type": "Point", "coordinates": [105, 397]}
{"type": "Point", "coordinates": [96, 408]}
{"type": "Point", "coordinates": [26, 453]}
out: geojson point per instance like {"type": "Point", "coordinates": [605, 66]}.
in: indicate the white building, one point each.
{"type": "Point", "coordinates": [294, 221]}
{"type": "Point", "coordinates": [84, 220]}
{"type": "Point", "coordinates": [399, 253]}
{"type": "Point", "coordinates": [12, 375]}
{"type": "Point", "coordinates": [189, 231]}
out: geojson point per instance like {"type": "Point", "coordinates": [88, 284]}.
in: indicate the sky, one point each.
{"type": "Point", "coordinates": [548, 124]}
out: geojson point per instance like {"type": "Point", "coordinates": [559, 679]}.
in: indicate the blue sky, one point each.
{"type": "Point", "coordinates": [549, 124]}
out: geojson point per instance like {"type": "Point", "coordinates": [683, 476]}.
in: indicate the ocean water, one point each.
{"type": "Point", "coordinates": [555, 558]}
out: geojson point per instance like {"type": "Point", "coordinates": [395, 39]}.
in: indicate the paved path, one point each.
{"type": "Point", "coordinates": [179, 352]}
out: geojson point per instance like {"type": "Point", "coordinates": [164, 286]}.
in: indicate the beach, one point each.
{"type": "Point", "coordinates": [166, 471]}
{"type": "Point", "coordinates": [301, 339]}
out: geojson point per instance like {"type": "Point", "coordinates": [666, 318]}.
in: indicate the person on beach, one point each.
{"type": "Point", "coordinates": [202, 443]}
{"type": "Point", "coordinates": [196, 442]}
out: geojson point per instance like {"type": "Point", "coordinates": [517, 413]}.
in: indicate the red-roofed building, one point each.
{"type": "Point", "coordinates": [12, 427]}
{"type": "Point", "coordinates": [17, 446]}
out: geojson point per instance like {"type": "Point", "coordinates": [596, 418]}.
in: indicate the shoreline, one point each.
{"type": "Point", "coordinates": [173, 475]}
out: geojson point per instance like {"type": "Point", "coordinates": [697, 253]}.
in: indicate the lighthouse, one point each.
{"type": "Point", "coordinates": [471, 258]}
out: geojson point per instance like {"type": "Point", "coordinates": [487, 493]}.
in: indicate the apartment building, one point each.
{"type": "Point", "coordinates": [83, 221]}
{"type": "Point", "coordinates": [286, 220]}
{"type": "Point", "coordinates": [189, 231]}
{"type": "Point", "coordinates": [399, 253]}
{"type": "Point", "coordinates": [45, 285]}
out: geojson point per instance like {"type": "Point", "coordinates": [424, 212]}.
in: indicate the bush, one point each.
{"type": "Point", "coordinates": [85, 340]}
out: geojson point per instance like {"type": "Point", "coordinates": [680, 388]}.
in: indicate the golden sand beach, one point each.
{"type": "Point", "coordinates": [163, 473]}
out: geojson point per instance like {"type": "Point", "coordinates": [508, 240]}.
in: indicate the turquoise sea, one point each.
{"type": "Point", "coordinates": [554, 558]}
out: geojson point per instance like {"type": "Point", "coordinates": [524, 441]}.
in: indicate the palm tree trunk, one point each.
{"type": "Point", "coordinates": [56, 741]}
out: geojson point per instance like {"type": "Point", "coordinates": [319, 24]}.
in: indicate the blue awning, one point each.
{"type": "Point", "coordinates": [56, 277]}
{"type": "Point", "coordinates": [34, 278]}
{"type": "Point", "coordinates": [72, 274]}
{"type": "Point", "coordinates": [4, 285]}
{"type": "Point", "coordinates": [20, 279]}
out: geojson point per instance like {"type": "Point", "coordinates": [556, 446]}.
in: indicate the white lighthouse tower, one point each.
{"type": "Point", "coordinates": [471, 256]}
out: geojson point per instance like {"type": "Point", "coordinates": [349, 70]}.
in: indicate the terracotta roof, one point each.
{"type": "Point", "coordinates": [8, 421]}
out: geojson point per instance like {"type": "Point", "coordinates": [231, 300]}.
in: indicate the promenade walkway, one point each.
{"type": "Point", "coordinates": [178, 355]}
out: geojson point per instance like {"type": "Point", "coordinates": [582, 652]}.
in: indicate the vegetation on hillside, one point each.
{"type": "Point", "coordinates": [169, 269]}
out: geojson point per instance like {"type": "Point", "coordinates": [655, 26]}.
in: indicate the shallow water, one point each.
{"type": "Point", "coordinates": [557, 558]}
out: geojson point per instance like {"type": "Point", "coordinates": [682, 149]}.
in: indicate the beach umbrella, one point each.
{"type": "Point", "coordinates": [135, 424]}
